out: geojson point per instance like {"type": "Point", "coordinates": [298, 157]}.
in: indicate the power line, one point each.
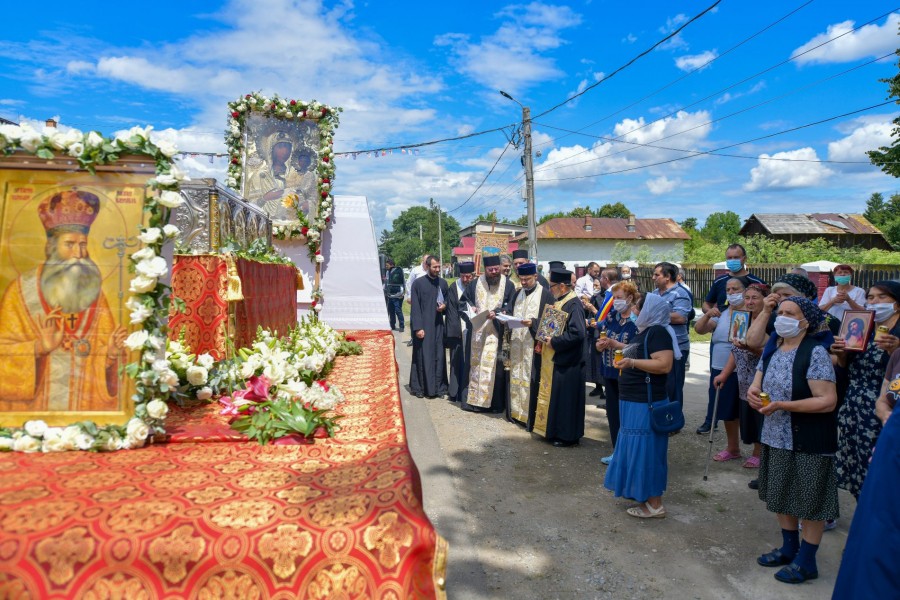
{"type": "Point", "coordinates": [713, 151]}
{"type": "Point", "coordinates": [632, 61]}
{"type": "Point", "coordinates": [746, 79]}
{"type": "Point", "coordinates": [620, 139]}
{"type": "Point", "coordinates": [505, 148]}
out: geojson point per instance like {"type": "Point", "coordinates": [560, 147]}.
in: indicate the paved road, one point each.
{"type": "Point", "coordinates": [526, 520]}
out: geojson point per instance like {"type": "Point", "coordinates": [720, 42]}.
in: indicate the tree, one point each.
{"type": "Point", "coordinates": [888, 157]}
{"type": "Point", "coordinates": [403, 243]}
{"type": "Point", "coordinates": [613, 211]}
{"type": "Point", "coordinates": [620, 252]}
{"type": "Point", "coordinates": [885, 216]}
{"type": "Point", "coordinates": [721, 227]}
{"type": "Point", "coordinates": [689, 223]}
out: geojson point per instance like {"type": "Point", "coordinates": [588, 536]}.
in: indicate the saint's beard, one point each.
{"type": "Point", "coordinates": [72, 285]}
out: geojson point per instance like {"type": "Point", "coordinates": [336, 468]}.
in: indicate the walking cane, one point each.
{"type": "Point", "coordinates": [712, 433]}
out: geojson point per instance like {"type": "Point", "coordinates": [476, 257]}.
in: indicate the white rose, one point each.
{"type": "Point", "coordinates": [54, 444]}
{"type": "Point", "coordinates": [11, 132]}
{"type": "Point", "coordinates": [167, 148]}
{"type": "Point", "coordinates": [231, 182]}
{"type": "Point", "coordinates": [317, 308]}
{"type": "Point", "coordinates": [35, 428]}
{"type": "Point", "coordinates": [137, 430]}
{"type": "Point", "coordinates": [26, 443]}
{"type": "Point", "coordinates": [160, 366]}
{"type": "Point", "coordinates": [320, 258]}
{"type": "Point", "coordinates": [112, 443]}
{"type": "Point", "coordinates": [140, 314]}
{"type": "Point", "coordinates": [157, 342]}
{"type": "Point", "coordinates": [94, 140]}
{"type": "Point", "coordinates": [143, 254]}
{"type": "Point", "coordinates": [204, 393]}
{"type": "Point", "coordinates": [170, 378]}
{"type": "Point", "coordinates": [6, 443]}
{"type": "Point", "coordinates": [247, 370]}
{"type": "Point", "coordinates": [76, 149]}
{"type": "Point", "coordinates": [197, 375]}
{"type": "Point", "coordinates": [170, 199]}
{"type": "Point", "coordinates": [164, 179]}
{"type": "Point", "coordinates": [142, 285]}
{"type": "Point", "coordinates": [147, 377]}
{"type": "Point", "coordinates": [152, 267]}
{"type": "Point", "coordinates": [58, 139]}
{"type": "Point", "coordinates": [143, 132]}
{"type": "Point", "coordinates": [206, 360]}
{"type": "Point", "coordinates": [178, 175]}
{"type": "Point", "coordinates": [30, 140]}
{"type": "Point", "coordinates": [136, 340]}
{"type": "Point", "coordinates": [150, 235]}
{"type": "Point", "coordinates": [170, 230]}
{"type": "Point", "coordinates": [157, 409]}
{"type": "Point", "coordinates": [84, 441]}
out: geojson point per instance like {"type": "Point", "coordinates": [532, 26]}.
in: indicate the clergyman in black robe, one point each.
{"type": "Point", "coordinates": [428, 372]}
{"type": "Point", "coordinates": [458, 334]}
{"type": "Point", "coordinates": [565, 416]}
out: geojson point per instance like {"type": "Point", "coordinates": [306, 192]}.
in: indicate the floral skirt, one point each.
{"type": "Point", "coordinates": [798, 484]}
{"type": "Point", "coordinates": [639, 469]}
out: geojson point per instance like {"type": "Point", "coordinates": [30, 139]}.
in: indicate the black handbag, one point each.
{"type": "Point", "coordinates": [664, 418]}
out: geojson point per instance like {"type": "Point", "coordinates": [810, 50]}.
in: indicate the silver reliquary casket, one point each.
{"type": "Point", "coordinates": [213, 215]}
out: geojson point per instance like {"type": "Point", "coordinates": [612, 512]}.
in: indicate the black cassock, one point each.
{"type": "Point", "coordinates": [546, 298]}
{"type": "Point", "coordinates": [500, 397]}
{"type": "Point", "coordinates": [428, 373]}
{"type": "Point", "coordinates": [459, 343]}
{"type": "Point", "coordinates": [565, 419]}
{"type": "Point", "coordinates": [543, 281]}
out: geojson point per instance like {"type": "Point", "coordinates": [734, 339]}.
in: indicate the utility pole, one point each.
{"type": "Point", "coordinates": [529, 178]}
{"type": "Point", "coordinates": [420, 232]}
{"type": "Point", "coordinates": [440, 236]}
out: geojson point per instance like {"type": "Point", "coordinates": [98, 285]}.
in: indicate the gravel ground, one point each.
{"type": "Point", "coordinates": [527, 520]}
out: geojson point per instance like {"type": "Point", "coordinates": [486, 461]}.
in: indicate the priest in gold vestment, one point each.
{"type": "Point", "coordinates": [59, 343]}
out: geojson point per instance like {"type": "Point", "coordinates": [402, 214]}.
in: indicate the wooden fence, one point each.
{"type": "Point", "coordinates": [700, 277]}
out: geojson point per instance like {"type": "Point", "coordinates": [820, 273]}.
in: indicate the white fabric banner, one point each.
{"type": "Point", "coordinates": [351, 279]}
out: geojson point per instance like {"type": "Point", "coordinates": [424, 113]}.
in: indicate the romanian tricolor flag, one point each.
{"type": "Point", "coordinates": [605, 307]}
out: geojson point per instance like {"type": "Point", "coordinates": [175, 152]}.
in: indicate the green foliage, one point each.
{"type": "Point", "coordinates": [277, 418]}
{"type": "Point", "coordinates": [607, 211]}
{"type": "Point", "coordinates": [888, 157]}
{"type": "Point", "coordinates": [613, 211]}
{"type": "Point", "coordinates": [403, 244]}
{"type": "Point", "coordinates": [721, 227]}
{"type": "Point", "coordinates": [885, 215]}
{"type": "Point", "coordinates": [621, 252]}
{"type": "Point", "coordinates": [761, 249]}
{"type": "Point", "coordinates": [258, 251]}
{"type": "Point", "coordinates": [644, 254]}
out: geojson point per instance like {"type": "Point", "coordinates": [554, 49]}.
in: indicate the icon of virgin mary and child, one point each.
{"type": "Point", "coordinates": [280, 176]}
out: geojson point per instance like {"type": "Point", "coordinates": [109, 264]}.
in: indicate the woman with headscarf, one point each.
{"type": "Point", "coordinates": [799, 438]}
{"type": "Point", "coordinates": [858, 424]}
{"type": "Point", "coordinates": [719, 324]}
{"type": "Point", "coordinates": [640, 468]}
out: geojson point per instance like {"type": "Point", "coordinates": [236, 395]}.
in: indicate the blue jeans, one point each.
{"type": "Point", "coordinates": [395, 310]}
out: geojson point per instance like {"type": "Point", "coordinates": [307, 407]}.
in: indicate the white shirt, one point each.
{"type": "Point", "coordinates": [418, 271]}
{"type": "Point", "coordinates": [857, 294]}
{"type": "Point", "coordinates": [584, 286]}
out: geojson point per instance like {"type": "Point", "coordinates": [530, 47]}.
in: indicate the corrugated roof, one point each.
{"type": "Point", "coordinates": [822, 223]}
{"type": "Point", "coordinates": [617, 229]}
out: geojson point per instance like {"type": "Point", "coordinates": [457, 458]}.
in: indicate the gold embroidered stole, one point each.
{"type": "Point", "coordinates": [543, 400]}
{"type": "Point", "coordinates": [521, 355]}
{"type": "Point", "coordinates": [485, 344]}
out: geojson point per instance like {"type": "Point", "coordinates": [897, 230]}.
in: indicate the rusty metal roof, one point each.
{"type": "Point", "coordinates": [617, 229]}
{"type": "Point", "coordinates": [815, 223]}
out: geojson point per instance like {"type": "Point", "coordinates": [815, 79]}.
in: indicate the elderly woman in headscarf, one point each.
{"type": "Point", "coordinates": [788, 285]}
{"type": "Point", "coordinates": [639, 469]}
{"type": "Point", "coordinates": [797, 478]}
{"type": "Point", "coordinates": [859, 426]}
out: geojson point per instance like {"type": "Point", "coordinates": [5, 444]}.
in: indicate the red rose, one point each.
{"type": "Point", "coordinates": [324, 159]}
{"type": "Point", "coordinates": [324, 112]}
{"type": "Point", "coordinates": [235, 114]}
{"type": "Point", "coordinates": [313, 303]}
{"type": "Point", "coordinates": [235, 161]}
{"type": "Point", "coordinates": [303, 114]}
{"type": "Point", "coordinates": [328, 219]}
{"type": "Point", "coordinates": [318, 252]}
{"type": "Point", "coordinates": [304, 230]}
{"type": "Point", "coordinates": [272, 107]}
{"type": "Point", "coordinates": [293, 103]}
{"type": "Point", "coordinates": [324, 194]}
{"type": "Point", "coordinates": [248, 96]}
{"type": "Point", "coordinates": [325, 180]}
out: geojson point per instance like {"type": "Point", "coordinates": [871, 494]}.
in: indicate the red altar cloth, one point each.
{"type": "Point", "coordinates": [270, 300]}
{"type": "Point", "coordinates": [339, 518]}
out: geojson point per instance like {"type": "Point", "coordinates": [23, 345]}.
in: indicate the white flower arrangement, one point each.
{"type": "Point", "coordinates": [149, 304]}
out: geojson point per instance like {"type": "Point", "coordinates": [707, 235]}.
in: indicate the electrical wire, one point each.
{"type": "Point", "coordinates": [505, 148]}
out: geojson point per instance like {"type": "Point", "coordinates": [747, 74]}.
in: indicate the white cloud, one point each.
{"type": "Point", "coordinates": [853, 147]}
{"type": "Point", "coordinates": [677, 42]}
{"type": "Point", "coordinates": [662, 185]}
{"type": "Point", "coordinates": [696, 61]}
{"type": "Point", "coordinates": [78, 67]}
{"type": "Point", "coordinates": [728, 96]}
{"type": "Point", "coordinates": [784, 174]}
{"type": "Point", "coordinates": [871, 40]}
{"type": "Point", "coordinates": [512, 57]}
{"type": "Point", "coordinates": [629, 39]}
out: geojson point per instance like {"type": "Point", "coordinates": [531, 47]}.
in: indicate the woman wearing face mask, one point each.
{"type": "Point", "coordinates": [859, 425]}
{"type": "Point", "coordinates": [742, 362]}
{"type": "Point", "coordinates": [799, 438]}
{"type": "Point", "coordinates": [844, 295]}
{"type": "Point", "coordinates": [719, 323]}
{"type": "Point", "coordinates": [620, 330]}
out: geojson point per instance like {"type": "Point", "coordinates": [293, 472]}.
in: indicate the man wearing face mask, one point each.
{"type": "Point", "coordinates": [736, 263]}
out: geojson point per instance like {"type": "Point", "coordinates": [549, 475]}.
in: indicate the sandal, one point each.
{"type": "Point", "coordinates": [645, 511]}
{"type": "Point", "coordinates": [775, 558]}
{"type": "Point", "coordinates": [794, 573]}
{"type": "Point", "coordinates": [752, 462]}
{"type": "Point", "coordinates": [725, 455]}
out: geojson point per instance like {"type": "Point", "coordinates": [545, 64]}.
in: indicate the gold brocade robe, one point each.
{"type": "Point", "coordinates": [543, 401]}
{"type": "Point", "coordinates": [521, 355]}
{"type": "Point", "coordinates": [71, 378]}
{"type": "Point", "coordinates": [484, 345]}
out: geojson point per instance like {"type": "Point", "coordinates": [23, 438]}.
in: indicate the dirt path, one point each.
{"type": "Point", "coordinates": [527, 520]}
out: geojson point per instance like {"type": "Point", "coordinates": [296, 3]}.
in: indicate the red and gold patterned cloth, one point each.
{"type": "Point", "coordinates": [201, 281]}
{"type": "Point", "coordinates": [339, 518]}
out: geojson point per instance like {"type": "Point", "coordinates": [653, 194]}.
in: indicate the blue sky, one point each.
{"type": "Point", "coordinates": [410, 72]}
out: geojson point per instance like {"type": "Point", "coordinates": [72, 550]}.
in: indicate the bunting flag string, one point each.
{"type": "Point", "coordinates": [354, 155]}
